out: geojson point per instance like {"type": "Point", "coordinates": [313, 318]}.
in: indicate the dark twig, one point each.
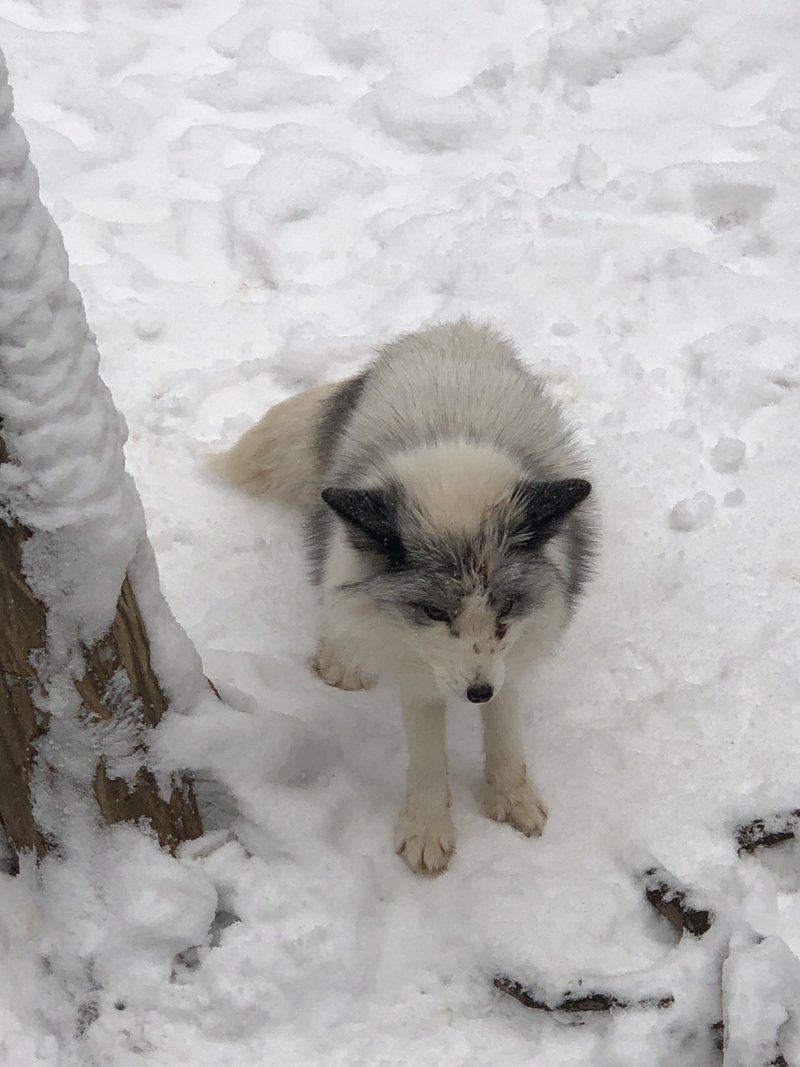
{"type": "Point", "coordinates": [578, 1000]}
{"type": "Point", "coordinates": [678, 904]}
{"type": "Point", "coordinates": [768, 832]}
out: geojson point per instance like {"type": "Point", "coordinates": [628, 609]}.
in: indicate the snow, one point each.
{"type": "Point", "coordinates": [727, 455]}
{"type": "Point", "coordinates": [763, 983]}
{"type": "Point", "coordinates": [253, 197]}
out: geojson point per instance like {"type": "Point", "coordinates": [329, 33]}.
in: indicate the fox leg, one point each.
{"type": "Point", "coordinates": [509, 796]}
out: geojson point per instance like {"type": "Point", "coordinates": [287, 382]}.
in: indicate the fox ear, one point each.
{"type": "Point", "coordinates": [544, 506]}
{"type": "Point", "coordinates": [372, 514]}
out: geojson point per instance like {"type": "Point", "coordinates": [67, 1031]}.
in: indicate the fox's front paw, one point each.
{"type": "Point", "coordinates": [520, 806]}
{"type": "Point", "coordinates": [329, 667]}
{"type": "Point", "coordinates": [425, 840]}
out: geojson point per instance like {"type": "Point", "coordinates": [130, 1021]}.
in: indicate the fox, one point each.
{"type": "Point", "coordinates": [451, 533]}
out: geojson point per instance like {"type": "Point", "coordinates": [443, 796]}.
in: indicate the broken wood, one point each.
{"type": "Point", "coordinates": [676, 903]}
{"type": "Point", "coordinates": [173, 817]}
{"type": "Point", "coordinates": [122, 653]}
{"type": "Point", "coordinates": [688, 913]}
{"type": "Point", "coordinates": [738, 945]}
{"type": "Point", "coordinates": [737, 954]}
{"type": "Point", "coordinates": [768, 832]}
{"type": "Point", "coordinates": [577, 1000]}
{"type": "Point", "coordinates": [22, 623]}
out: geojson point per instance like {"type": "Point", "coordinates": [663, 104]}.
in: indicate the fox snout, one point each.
{"type": "Point", "coordinates": [477, 686]}
{"type": "Point", "coordinates": [479, 692]}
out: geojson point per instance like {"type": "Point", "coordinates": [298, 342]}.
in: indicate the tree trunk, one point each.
{"type": "Point", "coordinates": [70, 523]}
{"type": "Point", "coordinates": [22, 630]}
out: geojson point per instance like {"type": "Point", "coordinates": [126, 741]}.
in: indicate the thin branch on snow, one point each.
{"type": "Point", "coordinates": [592, 998]}
{"type": "Point", "coordinates": [769, 831]}
{"type": "Point", "coordinates": [759, 977]}
{"type": "Point", "coordinates": [676, 902]}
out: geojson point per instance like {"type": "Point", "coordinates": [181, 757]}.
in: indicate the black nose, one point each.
{"type": "Point", "coordinates": [480, 693]}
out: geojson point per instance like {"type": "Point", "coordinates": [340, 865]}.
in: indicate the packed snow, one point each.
{"type": "Point", "coordinates": [252, 196]}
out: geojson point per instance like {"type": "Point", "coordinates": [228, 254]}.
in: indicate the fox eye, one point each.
{"type": "Point", "coordinates": [430, 611]}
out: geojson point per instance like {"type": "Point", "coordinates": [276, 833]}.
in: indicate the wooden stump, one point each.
{"type": "Point", "coordinates": [125, 647]}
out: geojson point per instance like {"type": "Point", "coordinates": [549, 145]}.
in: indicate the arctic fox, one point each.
{"type": "Point", "coordinates": [449, 529]}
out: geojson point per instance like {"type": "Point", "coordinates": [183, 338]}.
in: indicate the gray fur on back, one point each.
{"type": "Point", "coordinates": [458, 381]}
{"type": "Point", "coordinates": [336, 416]}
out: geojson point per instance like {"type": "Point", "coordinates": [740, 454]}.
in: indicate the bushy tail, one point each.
{"type": "Point", "coordinates": [276, 457]}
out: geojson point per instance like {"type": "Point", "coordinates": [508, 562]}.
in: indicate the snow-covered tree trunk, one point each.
{"type": "Point", "coordinates": [90, 657]}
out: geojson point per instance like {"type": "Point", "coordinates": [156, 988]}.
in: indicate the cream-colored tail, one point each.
{"type": "Point", "coordinates": [276, 457]}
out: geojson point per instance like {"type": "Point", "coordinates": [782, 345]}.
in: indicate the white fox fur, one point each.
{"type": "Point", "coordinates": [450, 533]}
{"type": "Point", "coordinates": [276, 457]}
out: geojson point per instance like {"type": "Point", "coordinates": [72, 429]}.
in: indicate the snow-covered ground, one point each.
{"type": "Point", "coordinates": [252, 195]}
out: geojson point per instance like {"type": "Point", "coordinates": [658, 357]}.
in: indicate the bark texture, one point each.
{"type": "Point", "coordinates": [22, 632]}
{"type": "Point", "coordinates": [174, 818]}
{"type": "Point", "coordinates": [23, 625]}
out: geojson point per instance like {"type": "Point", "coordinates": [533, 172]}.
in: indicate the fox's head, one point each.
{"type": "Point", "coordinates": [462, 552]}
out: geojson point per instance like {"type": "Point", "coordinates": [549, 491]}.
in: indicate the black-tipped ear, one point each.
{"type": "Point", "coordinates": [372, 513]}
{"type": "Point", "coordinates": [544, 505]}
